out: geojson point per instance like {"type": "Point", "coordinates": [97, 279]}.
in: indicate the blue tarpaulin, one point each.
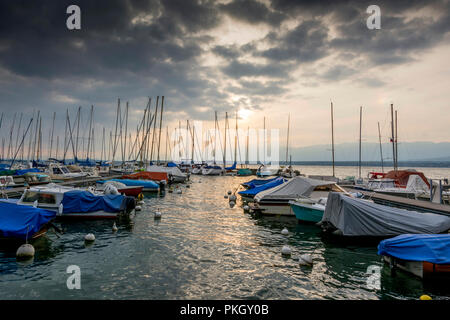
{"type": "Point", "coordinates": [255, 190]}
{"type": "Point", "coordinates": [171, 164]}
{"type": "Point", "coordinates": [433, 248]}
{"type": "Point", "coordinates": [22, 172]}
{"type": "Point", "coordinates": [15, 219]}
{"type": "Point", "coordinates": [83, 201]}
{"type": "Point", "coordinates": [232, 167]}
{"type": "Point", "coordinates": [257, 182]}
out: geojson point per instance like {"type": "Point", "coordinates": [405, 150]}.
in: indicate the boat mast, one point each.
{"type": "Point", "coordinates": [215, 136]}
{"type": "Point", "coordinates": [246, 153]}
{"type": "Point", "coordinates": [225, 141]}
{"type": "Point", "coordinates": [332, 137]}
{"type": "Point", "coordinates": [393, 136]}
{"type": "Point", "coordinates": [154, 128]}
{"type": "Point", "coordinates": [381, 149]}
{"type": "Point", "coordinates": [360, 130]}
{"type": "Point", "coordinates": [126, 132]}
{"type": "Point", "coordinates": [235, 139]}
{"type": "Point", "coordinates": [264, 162]}
{"type": "Point", "coordinates": [89, 136]}
{"type": "Point", "coordinates": [396, 142]}
{"type": "Point", "coordinates": [160, 128]}
{"type": "Point", "coordinates": [78, 131]}
{"type": "Point", "coordinates": [287, 138]}
{"type": "Point", "coordinates": [51, 139]}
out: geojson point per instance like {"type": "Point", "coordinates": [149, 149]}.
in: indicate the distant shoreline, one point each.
{"type": "Point", "coordinates": [403, 164]}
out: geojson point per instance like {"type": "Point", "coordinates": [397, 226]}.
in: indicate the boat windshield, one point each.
{"type": "Point", "coordinates": [65, 170]}
{"type": "Point", "coordinates": [32, 196]}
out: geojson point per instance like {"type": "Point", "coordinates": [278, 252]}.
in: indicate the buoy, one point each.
{"type": "Point", "coordinates": [60, 209]}
{"type": "Point", "coordinates": [137, 208]}
{"type": "Point", "coordinates": [35, 203]}
{"type": "Point", "coordinates": [425, 297]}
{"type": "Point", "coordinates": [179, 191]}
{"type": "Point", "coordinates": [157, 215]}
{"type": "Point", "coordinates": [229, 192]}
{"type": "Point", "coordinates": [170, 190]}
{"type": "Point", "coordinates": [89, 237]}
{"type": "Point", "coordinates": [305, 260]}
{"type": "Point", "coordinates": [286, 251]}
{"type": "Point", "coordinates": [246, 208]}
{"type": "Point", "coordinates": [188, 186]}
{"type": "Point", "coordinates": [140, 196]}
{"type": "Point", "coordinates": [225, 196]}
{"type": "Point", "coordinates": [140, 203]}
{"type": "Point", "coordinates": [285, 232]}
{"type": "Point", "coordinates": [199, 181]}
{"type": "Point", "coordinates": [232, 204]}
{"type": "Point", "coordinates": [25, 251]}
{"type": "Point", "coordinates": [232, 198]}
{"type": "Point", "coordinates": [114, 227]}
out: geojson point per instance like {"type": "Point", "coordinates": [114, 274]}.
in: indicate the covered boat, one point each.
{"type": "Point", "coordinates": [148, 185]}
{"type": "Point", "coordinates": [244, 172]}
{"type": "Point", "coordinates": [175, 174]}
{"type": "Point", "coordinates": [23, 222]}
{"type": "Point", "coordinates": [255, 189]}
{"type": "Point", "coordinates": [352, 217]}
{"type": "Point", "coordinates": [77, 203]}
{"type": "Point", "coordinates": [276, 200]}
{"type": "Point", "coordinates": [267, 170]}
{"type": "Point", "coordinates": [212, 170]}
{"type": "Point", "coordinates": [257, 182]}
{"type": "Point", "coordinates": [146, 175]}
{"type": "Point", "coordinates": [420, 254]}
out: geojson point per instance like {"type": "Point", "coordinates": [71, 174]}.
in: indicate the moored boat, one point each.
{"type": "Point", "coordinates": [308, 210]}
{"type": "Point", "coordinates": [423, 255]}
{"type": "Point", "coordinates": [148, 185]}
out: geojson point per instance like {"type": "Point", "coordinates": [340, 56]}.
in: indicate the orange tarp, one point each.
{"type": "Point", "coordinates": [401, 177]}
{"type": "Point", "coordinates": [146, 175]}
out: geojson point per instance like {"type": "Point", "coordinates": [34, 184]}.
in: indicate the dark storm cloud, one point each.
{"type": "Point", "coordinates": [253, 12]}
{"type": "Point", "coordinates": [137, 48]}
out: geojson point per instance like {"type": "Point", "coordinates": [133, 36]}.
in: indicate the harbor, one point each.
{"type": "Point", "coordinates": [216, 152]}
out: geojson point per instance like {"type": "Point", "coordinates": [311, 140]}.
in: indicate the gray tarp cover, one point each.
{"type": "Point", "coordinates": [292, 189]}
{"type": "Point", "coordinates": [356, 217]}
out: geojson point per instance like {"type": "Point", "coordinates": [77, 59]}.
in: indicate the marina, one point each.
{"type": "Point", "coordinates": [224, 150]}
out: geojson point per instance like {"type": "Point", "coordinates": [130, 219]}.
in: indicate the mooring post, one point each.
{"type": "Point", "coordinates": [431, 190]}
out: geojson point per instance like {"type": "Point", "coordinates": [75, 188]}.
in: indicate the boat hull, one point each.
{"type": "Point", "coordinates": [421, 269]}
{"type": "Point", "coordinates": [212, 172]}
{"type": "Point", "coordinates": [306, 213]}
{"type": "Point", "coordinates": [277, 209]}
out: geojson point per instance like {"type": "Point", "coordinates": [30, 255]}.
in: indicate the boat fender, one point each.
{"type": "Point", "coordinates": [61, 209]}
{"type": "Point", "coordinates": [158, 215]}
{"type": "Point", "coordinates": [305, 260]}
{"type": "Point", "coordinates": [285, 231]}
{"type": "Point", "coordinates": [89, 237]}
{"type": "Point", "coordinates": [138, 208]}
{"type": "Point", "coordinates": [232, 204]}
{"type": "Point", "coordinates": [425, 297]}
{"type": "Point", "coordinates": [286, 251]}
{"type": "Point", "coordinates": [233, 198]}
{"type": "Point", "coordinates": [25, 251]}
{"type": "Point", "coordinates": [114, 227]}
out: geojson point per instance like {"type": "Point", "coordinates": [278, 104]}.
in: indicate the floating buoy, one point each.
{"type": "Point", "coordinates": [305, 260]}
{"type": "Point", "coordinates": [285, 232]}
{"type": "Point", "coordinates": [229, 192]}
{"type": "Point", "coordinates": [188, 186]}
{"type": "Point", "coordinates": [232, 204]}
{"type": "Point", "coordinates": [25, 251]}
{"type": "Point", "coordinates": [114, 227]}
{"type": "Point", "coordinates": [140, 203]}
{"type": "Point", "coordinates": [170, 190]}
{"type": "Point", "coordinates": [35, 204]}
{"type": "Point", "coordinates": [60, 209]}
{"type": "Point", "coordinates": [425, 297]}
{"type": "Point", "coordinates": [286, 251]}
{"type": "Point", "coordinates": [225, 196]}
{"type": "Point", "coordinates": [179, 191]}
{"type": "Point", "coordinates": [158, 215]}
{"type": "Point", "coordinates": [138, 208]}
{"type": "Point", "coordinates": [89, 237]}
{"type": "Point", "coordinates": [232, 198]}
{"type": "Point", "coordinates": [140, 196]}
{"type": "Point", "coordinates": [246, 208]}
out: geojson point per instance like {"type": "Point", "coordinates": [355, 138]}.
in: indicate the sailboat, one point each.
{"type": "Point", "coordinates": [214, 169]}
{"type": "Point", "coordinates": [266, 170]}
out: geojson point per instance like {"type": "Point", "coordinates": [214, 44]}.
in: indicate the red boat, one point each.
{"type": "Point", "coordinates": [131, 191]}
{"type": "Point", "coordinates": [400, 177]}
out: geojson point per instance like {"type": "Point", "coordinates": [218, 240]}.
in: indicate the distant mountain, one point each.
{"type": "Point", "coordinates": [407, 151]}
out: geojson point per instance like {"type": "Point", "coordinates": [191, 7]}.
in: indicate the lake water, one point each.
{"type": "Point", "coordinates": [202, 249]}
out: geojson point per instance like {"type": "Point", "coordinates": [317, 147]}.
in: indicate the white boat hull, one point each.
{"type": "Point", "coordinates": [212, 172]}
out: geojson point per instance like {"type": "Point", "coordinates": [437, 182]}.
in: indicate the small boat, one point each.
{"type": "Point", "coordinates": [423, 255]}
{"type": "Point", "coordinates": [148, 185]}
{"type": "Point", "coordinates": [131, 191]}
{"type": "Point", "coordinates": [257, 182]}
{"type": "Point", "coordinates": [21, 223]}
{"type": "Point", "coordinates": [275, 201]}
{"type": "Point", "coordinates": [70, 202]}
{"type": "Point", "coordinates": [254, 189]}
{"type": "Point", "coordinates": [351, 217]}
{"type": "Point", "coordinates": [8, 182]}
{"type": "Point", "coordinates": [175, 174]}
{"type": "Point", "coordinates": [244, 172]}
{"type": "Point", "coordinates": [58, 171]}
{"type": "Point", "coordinates": [212, 170]}
{"type": "Point", "coordinates": [308, 210]}
{"type": "Point", "coordinates": [266, 171]}
{"type": "Point", "coordinates": [146, 175]}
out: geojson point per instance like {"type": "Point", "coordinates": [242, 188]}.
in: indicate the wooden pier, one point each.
{"type": "Point", "coordinates": [405, 203]}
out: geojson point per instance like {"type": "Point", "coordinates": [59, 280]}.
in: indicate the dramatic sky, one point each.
{"type": "Point", "coordinates": [269, 58]}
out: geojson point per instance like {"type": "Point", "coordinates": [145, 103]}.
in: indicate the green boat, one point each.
{"type": "Point", "coordinates": [308, 210]}
{"type": "Point", "coordinates": [244, 172]}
